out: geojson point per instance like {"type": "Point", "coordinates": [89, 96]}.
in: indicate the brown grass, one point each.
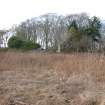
{"type": "Point", "coordinates": [52, 79]}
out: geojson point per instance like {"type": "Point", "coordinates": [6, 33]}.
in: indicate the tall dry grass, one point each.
{"type": "Point", "coordinates": [52, 79]}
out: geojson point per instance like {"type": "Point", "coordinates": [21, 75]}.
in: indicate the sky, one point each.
{"type": "Point", "coordinates": [15, 11]}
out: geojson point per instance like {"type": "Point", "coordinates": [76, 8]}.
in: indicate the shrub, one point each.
{"type": "Point", "coordinates": [37, 45]}
{"type": "Point", "coordinates": [28, 45]}
{"type": "Point", "coordinates": [15, 42]}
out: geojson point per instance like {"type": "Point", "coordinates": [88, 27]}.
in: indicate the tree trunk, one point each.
{"type": "Point", "coordinates": [59, 48]}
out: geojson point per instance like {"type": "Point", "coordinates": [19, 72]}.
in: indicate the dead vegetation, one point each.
{"type": "Point", "coordinates": [52, 79]}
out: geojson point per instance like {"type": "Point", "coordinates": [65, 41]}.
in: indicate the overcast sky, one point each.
{"type": "Point", "coordinates": [16, 11]}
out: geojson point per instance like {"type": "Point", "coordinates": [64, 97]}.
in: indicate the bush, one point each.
{"type": "Point", "coordinates": [37, 45]}
{"type": "Point", "coordinates": [28, 45]}
{"type": "Point", "coordinates": [16, 42]}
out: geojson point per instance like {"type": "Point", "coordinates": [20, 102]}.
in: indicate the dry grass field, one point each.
{"type": "Point", "coordinates": [52, 79]}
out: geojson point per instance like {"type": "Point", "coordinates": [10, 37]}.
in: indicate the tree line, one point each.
{"type": "Point", "coordinates": [77, 32]}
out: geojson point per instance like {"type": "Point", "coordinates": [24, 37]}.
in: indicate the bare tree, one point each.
{"type": "Point", "coordinates": [2, 39]}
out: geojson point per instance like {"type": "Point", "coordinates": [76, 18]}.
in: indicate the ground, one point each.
{"type": "Point", "coordinates": [32, 78]}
